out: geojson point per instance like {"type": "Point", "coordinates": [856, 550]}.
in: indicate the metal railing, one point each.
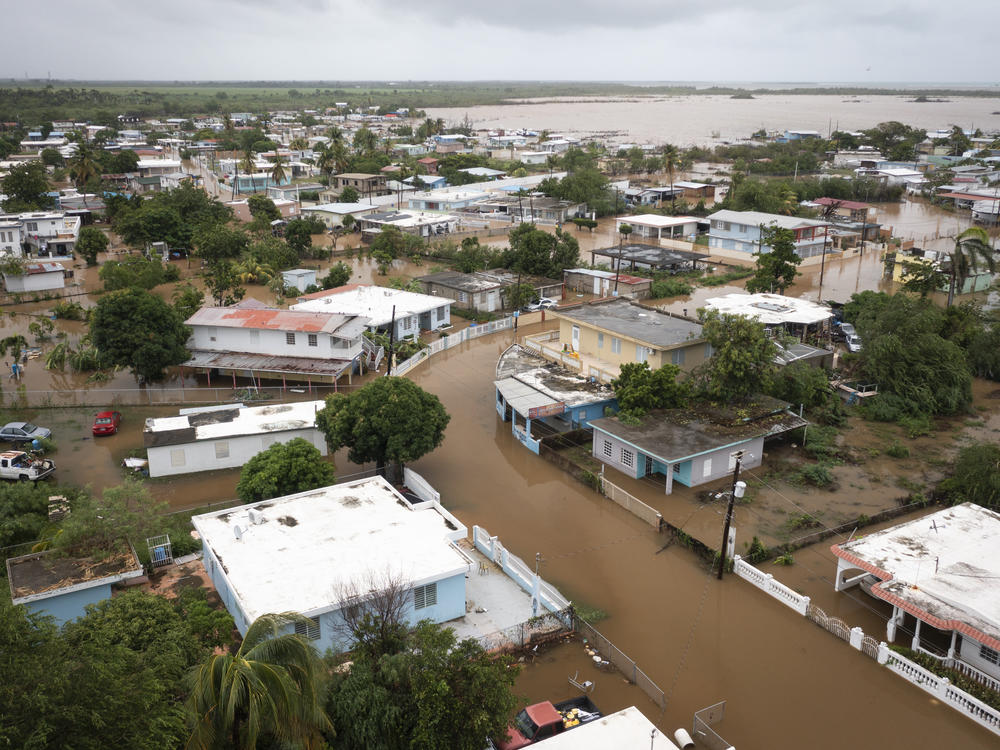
{"type": "Point", "coordinates": [451, 340]}
{"type": "Point", "coordinates": [627, 666]}
{"type": "Point", "coordinates": [701, 729]}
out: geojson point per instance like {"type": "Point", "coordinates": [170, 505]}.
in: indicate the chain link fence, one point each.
{"type": "Point", "coordinates": [629, 669]}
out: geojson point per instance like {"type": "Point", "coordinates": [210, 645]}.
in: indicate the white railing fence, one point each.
{"type": "Point", "coordinates": [548, 595]}
{"type": "Point", "coordinates": [451, 340]}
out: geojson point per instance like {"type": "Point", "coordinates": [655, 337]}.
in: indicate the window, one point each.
{"type": "Point", "coordinates": [988, 654]}
{"type": "Point", "coordinates": [600, 341]}
{"type": "Point", "coordinates": [628, 458]}
{"type": "Point", "coordinates": [677, 357]}
{"type": "Point", "coordinates": [607, 448]}
{"type": "Point", "coordinates": [616, 345]}
{"type": "Point", "coordinates": [290, 338]}
{"type": "Point", "coordinates": [463, 297]}
{"type": "Point", "coordinates": [708, 351]}
{"type": "Point", "coordinates": [404, 324]}
{"type": "Point", "coordinates": [222, 449]}
{"type": "Point", "coordinates": [177, 457]}
{"type": "Point", "coordinates": [308, 629]}
{"type": "Point", "coordinates": [425, 596]}
{"type": "Point", "coordinates": [254, 337]}
{"type": "Point", "coordinates": [313, 340]}
{"type": "Point", "coordinates": [707, 469]}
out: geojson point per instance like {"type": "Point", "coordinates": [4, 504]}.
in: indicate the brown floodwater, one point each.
{"type": "Point", "coordinates": [703, 120]}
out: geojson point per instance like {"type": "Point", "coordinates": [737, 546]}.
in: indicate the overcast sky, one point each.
{"type": "Point", "coordinates": [867, 41]}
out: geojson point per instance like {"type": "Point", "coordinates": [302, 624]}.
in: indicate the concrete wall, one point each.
{"type": "Point", "coordinates": [66, 607]}
{"type": "Point", "coordinates": [35, 282]}
{"type": "Point", "coordinates": [188, 458]}
{"type": "Point", "coordinates": [969, 653]}
{"type": "Point", "coordinates": [601, 344]}
{"type": "Point", "coordinates": [272, 343]}
{"type": "Point", "coordinates": [229, 600]}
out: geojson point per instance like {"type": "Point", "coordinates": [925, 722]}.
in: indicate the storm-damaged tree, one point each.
{"type": "Point", "coordinates": [283, 469]}
{"type": "Point", "coordinates": [389, 421]}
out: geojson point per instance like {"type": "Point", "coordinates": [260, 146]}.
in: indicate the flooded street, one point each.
{"type": "Point", "coordinates": [694, 120]}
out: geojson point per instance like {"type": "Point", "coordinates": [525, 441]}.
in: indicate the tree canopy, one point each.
{"type": "Point", "coordinates": [537, 252]}
{"type": "Point", "coordinates": [135, 329]}
{"type": "Point", "coordinates": [284, 469]}
{"type": "Point", "coordinates": [976, 476]}
{"type": "Point", "coordinates": [91, 242]}
{"type": "Point", "coordinates": [639, 389]}
{"type": "Point", "coordinates": [777, 269]}
{"type": "Point", "coordinates": [26, 187]}
{"type": "Point", "coordinates": [742, 358]}
{"type": "Point", "coordinates": [389, 421]}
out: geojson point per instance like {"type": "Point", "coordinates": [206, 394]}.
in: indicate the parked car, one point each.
{"type": "Point", "coordinates": [23, 432]}
{"type": "Point", "coordinates": [106, 423]}
{"type": "Point", "coordinates": [853, 343]}
{"type": "Point", "coordinates": [21, 467]}
{"type": "Point", "coordinates": [540, 721]}
{"type": "Point", "coordinates": [544, 303]}
{"type": "Point", "coordinates": [841, 331]}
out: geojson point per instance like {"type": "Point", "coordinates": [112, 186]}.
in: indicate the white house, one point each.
{"type": "Point", "coordinates": [300, 278]}
{"type": "Point", "coordinates": [46, 233]}
{"type": "Point", "coordinates": [656, 227]}
{"type": "Point", "coordinates": [333, 214]}
{"type": "Point", "coordinates": [743, 231]}
{"type": "Point", "coordinates": [939, 572]}
{"type": "Point", "coordinates": [226, 437]}
{"type": "Point", "coordinates": [628, 729]}
{"type": "Point", "coordinates": [250, 341]}
{"type": "Point", "coordinates": [37, 277]}
{"type": "Point", "coordinates": [420, 224]}
{"type": "Point", "coordinates": [309, 552]}
{"type": "Point", "coordinates": [10, 237]}
{"type": "Point", "coordinates": [413, 312]}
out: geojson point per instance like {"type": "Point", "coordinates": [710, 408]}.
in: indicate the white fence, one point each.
{"type": "Point", "coordinates": [454, 339]}
{"type": "Point", "coordinates": [631, 503]}
{"type": "Point", "coordinates": [939, 687]}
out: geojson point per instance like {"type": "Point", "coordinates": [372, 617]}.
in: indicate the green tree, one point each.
{"type": "Point", "coordinates": [536, 252]}
{"type": "Point", "coordinates": [187, 300]}
{"type": "Point", "coordinates": [136, 271]}
{"type": "Point", "coordinates": [975, 477]}
{"type": "Point", "coordinates": [638, 389]}
{"type": "Point", "coordinates": [801, 383]}
{"type": "Point", "coordinates": [135, 329]}
{"type": "Point", "coordinates": [389, 421]}
{"type": "Point", "coordinates": [268, 690]}
{"type": "Point", "coordinates": [517, 296]}
{"type": "Point", "coordinates": [51, 157]}
{"type": "Point", "coordinates": [283, 469]}
{"type": "Point", "coordinates": [83, 168]}
{"type": "Point", "coordinates": [299, 232]}
{"type": "Point", "coordinates": [278, 174]}
{"type": "Point", "coordinates": [471, 256]}
{"type": "Point", "coordinates": [216, 242]}
{"type": "Point", "coordinates": [338, 275]}
{"type": "Point", "coordinates": [742, 358]}
{"type": "Point", "coordinates": [365, 141]}
{"type": "Point", "coordinates": [431, 691]}
{"type": "Point", "coordinates": [777, 269]}
{"type": "Point", "coordinates": [26, 187]}
{"type": "Point", "coordinates": [923, 278]}
{"type": "Point", "coordinates": [349, 195]}
{"type": "Point", "coordinates": [223, 283]}
{"type": "Point", "coordinates": [972, 247]}
{"type": "Point", "coordinates": [671, 161]}
{"type": "Point", "coordinates": [91, 242]}
{"type": "Point", "coordinates": [262, 207]}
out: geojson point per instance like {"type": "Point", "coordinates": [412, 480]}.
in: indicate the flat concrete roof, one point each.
{"type": "Point", "coordinates": [645, 324]}
{"type": "Point", "coordinates": [227, 423]}
{"type": "Point", "coordinates": [658, 220]}
{"type": "Point", "coordinates": [372, 302]}
{"type": "Point", "coordinates": [652, 255]}
{"type": "Point", "coordinates": [771, 309]}
{"type": "Point", "coordinates": [674, 435]}
{"type": "Point", "coordinates": [757, 218]}
{"type": "Point", "coordinates": [41, 575]}
{"type": "Point", "coordinates": [308, 547]}
{"type": "Point", "coordinates": [466, 282]}
{"type": "Point", "coordinates": [627, 729]}
{"type": "Point", "coordinates": [943, 567]}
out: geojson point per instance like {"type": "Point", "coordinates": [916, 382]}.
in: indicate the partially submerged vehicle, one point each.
{"type": "Point", "coordinates": [20, 466]}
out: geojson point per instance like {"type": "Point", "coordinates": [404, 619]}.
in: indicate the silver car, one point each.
{"type": "Point", "coordinates": [23, 432]}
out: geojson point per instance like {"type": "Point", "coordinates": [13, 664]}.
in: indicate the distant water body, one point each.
{"type": "Point", "coordinates": [708, 119]}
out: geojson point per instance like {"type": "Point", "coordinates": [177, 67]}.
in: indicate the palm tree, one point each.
{"type": "Point", "coordinates": [671, 157]}
{"type": "Point", "coordinates": [325, 161]}
{"type": "Point", "coordinates": [248, 167]}
{"type": "Point", "coordinates": [971, 246]}
{"type": "Point", "coordinates": [365, 141]}
{"type": "Point", "coordinates": [278, 170]}
{"type": "Point", "coordinates": [341, 159]}
{"type": "Point", "coordinates": [250, 271]}
{"type": "Point", "coordinates": [298, 144]}
{"type": "Point", "coordinates": [335, 134]}
{"type": "Point", "coordinates": [270, 686]}
{"type": "Point", "coordinates": [83, 168]}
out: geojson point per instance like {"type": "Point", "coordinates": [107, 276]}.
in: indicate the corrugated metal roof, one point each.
{"type": "Point", "coordinates": [348, 326]}
{"type": "Point", "coordinates": [521, 396]}
{"type": "Point", "coordinates": [263, 363]}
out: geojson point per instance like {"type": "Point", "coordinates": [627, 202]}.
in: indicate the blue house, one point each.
{"type": "Point", "coordinates": [691, 448]}
{"type": "Point", "coordinates": [63, 587]}
{"type": "Point", "coordinates": [540, 398]}
{"type": "Point", "coordinates": [743, 231]}
{"type": "Point", "coordinates": [428, 181]}
{"type": "Point", "coordinates": [316, 552]}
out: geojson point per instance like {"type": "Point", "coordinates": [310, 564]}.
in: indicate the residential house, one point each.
{"type": "Point", "coordinates": [62, 587]}
{"type": "Point", "coordinates": [427, 181]}
{"type": "Point", "coordinates": [541, 398]}
{"type": "Point", "coordinates": [939, 573]}
{"type": "Point", "coordinates": [544, 287]}
{"type": "Point", "coordinates": [299, 278]}
{"type": "Point", "coordinates": [850, 210]}
{"type": "Point", "coordinates": [449, 144]}
{"type": "Point", "coordinates": [293, 192]}
{"type": "Point", "coordinates": [796, 315]}
{"type": "Point", "coordinates": [529, 157]}
{"type": "Point", "coordinates": [46, 233]}
{"type": "Point", "coordinates": [470, 291]}
{"type": "Point", "coordinates": [692, 446]}
{"type": "Point", "coordinates": [540, 209]}
{"type": "Point", "coordinates": [37, 277]}
{"type": "Point", "coordinates": [604, 335]}
{"type": "Point", "coordinates": [251, 341]}
{"type": "Point", "coordinates": [379, 306]}
{"type": "Point", "coordinates": [315, 551]}
{"type": "Point", "coordinates": [798, 135]}
{"type": "Point", "coordinates": [607, 283]}
{"type": "Point", "coordinates": [289, 209]}
{"type": "Point", "coordinates": [650, 196]}
{"type": "Point", "coordinates": [484, 174]}
{"type": "Point", "coordinates": [912, 179]}
{"type": "Point", "coordinates": [10, 237]}
{"type": "Point", "coordinates": [421, 225]}
{"type": "Point", "coordinates": [743, 231]}
{"type": "Point", "coordinates": [35, 143]}
{"type": "Point", "coordinates": [430, 164]}
{"type": "Point", "coordinates": [656, 227]}
{"type": "Point", "coordinates": [226, 437]}
{"type": "Point", "coordinates": [895, 267]}
{"type": "Point", "coordinates": [367, 185]}
{"type": "Point", "coordinates": [696, 191]}
{"type": "Point", "coordinates": [636, 255]}
{"type": "Point", "coordinates": [627, 728]}
{"type": "Point", "coordinates": [451, 200]}
{"type": "Point", "coordinates": [333, 214]}
{"type": "Point", "coordinates": [410, 149]}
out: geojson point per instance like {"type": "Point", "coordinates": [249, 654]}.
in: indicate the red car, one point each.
{"type": "Point", "coordinates": [106, 423]}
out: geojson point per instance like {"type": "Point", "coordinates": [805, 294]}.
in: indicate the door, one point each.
{"type": "Point", "coordinates": [576, 338]}
{"type": "Point", "coordinates": [597, 285]}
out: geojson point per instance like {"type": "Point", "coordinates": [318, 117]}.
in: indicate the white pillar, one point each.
{"type": "Point", "coordinates": [857, 636]}
{"type": "Point", "coordinates": [535, 594]}
{"type": "Point", "coordinates": [915, 643]}
{"type": "Point", "coordinates": [951, 648]}
{"type": "Point", "coordinates": [890, 626]}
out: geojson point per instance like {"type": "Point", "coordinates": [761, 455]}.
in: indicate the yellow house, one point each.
{"type": "Point", "coordinates": [604, 335]}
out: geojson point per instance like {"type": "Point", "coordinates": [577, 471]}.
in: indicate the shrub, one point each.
{"type": "Point", "coordinates": [670, 288]}
{"type": "Point", "coordinates": [897, 450]}
{"type": "Point", "coordinates": [757, 552]}
{"type": "Point", "coordinates": [69, 311]}
{"type": "Point", "coordinates": [817, 475]}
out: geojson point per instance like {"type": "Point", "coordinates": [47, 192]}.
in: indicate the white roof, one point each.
{"type": "Point", "coordinates": [521, 396]}
{"type": "Point", "coordinates": [771, 309]}
{"type": "Point", "coordinates": [900, 172]}
{"type": "Point", "coordinates": [376, 302]}
{"type": "Point", "coordinates": [341, 208]}
{"type": "Point", "coordinates": [945, 564]}
{"type": "Point", "coordinates": [250, 420]}
{"type": "Point", "coordinates": [148, 163]}
{"type": "Point", "coordinates": [756, 218]}
{"type": "Point", "coordinates": [655, 220]}
{"type": "Point", "coordinates": [692, 185]}
{"type": "Point", "coordinates": [309, 546]}
{"type": "Point", "coordinates": [627, 729]}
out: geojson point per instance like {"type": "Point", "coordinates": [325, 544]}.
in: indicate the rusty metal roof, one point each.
{"type": "Point", "coordinates": [343, 325]}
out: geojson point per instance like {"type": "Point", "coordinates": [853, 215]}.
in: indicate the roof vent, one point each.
{"type": "Point", "coordinates": [238, 532]}
{"type": "Point", "coordinates": [256, 517]}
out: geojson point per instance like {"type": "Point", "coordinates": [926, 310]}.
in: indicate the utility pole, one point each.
{"type": "Point", "coordinates": [392, 342]}
{"type": "Point", "coordinates": [737, 491]}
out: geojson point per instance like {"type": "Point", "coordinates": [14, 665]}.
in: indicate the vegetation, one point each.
{"type": "Point", "coordinates": [973, 249]}
{"type": "Point", "coordinates": [975, 477]}
{"type": "Point", "coordinates": [91, 242]}
{"type": "Point", "coordinates": [135, 329]}
{"type": "Point", "coordinates": [26, 187]}
{"type": "Point", "coordinates": [338, 275]}
{"type": "Point", "coordinates": [777, 269]}
{"type": "Point", "coordinates": [539, 253]}
{"type": "Point", "coordinates": [639, 389]}
{"type": "Point", "coordinates": [389, 421]}
{"type": "Point", "coordinates": [742, 357]}
{"type": "Point", "coordinates": [136, 272]}
{"type": "Point", "coordinates": [284, 469]}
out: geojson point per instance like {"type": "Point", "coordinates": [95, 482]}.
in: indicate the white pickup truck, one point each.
{"type": "Point", "coordinates": [19, 466]}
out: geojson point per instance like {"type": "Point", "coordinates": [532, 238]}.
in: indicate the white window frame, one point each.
{"type": "Point", "coordinates": [677, 356]}
{"type": "Point", "coordinates": [600, 340]}
{"type": "Point", "coordinates": [989, 655]}
{"type": "Point", "coordinates": [425, 596]}
{"type": "Point", "coordinates": [706, 469]}
{"type": "Point", "coordinates": [616, 345]}
{"type": "Point", "coordinates": [221, 449]}
{"type": "Point", "coordinates": [310, 630]}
